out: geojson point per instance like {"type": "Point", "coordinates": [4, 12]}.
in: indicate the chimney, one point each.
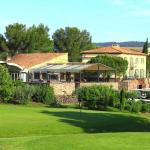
{"type": "Point", "coordinates": [115, 45]}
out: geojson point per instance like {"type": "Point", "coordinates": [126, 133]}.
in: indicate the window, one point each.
{"type": "Point", "coordinates": [36, 76]}
{"type": "Point", "coordinates": [131, 73]}
{"type": "Point", "coordinates": [136, 73]}
{"type": "Point", "coordinates": [142, 60]}
{"type": "Point", "coordinates": [44, 76]}
{"type": "Point", "coordinates": [131, 61]}
{"type": "Point", "coordinates": [15, 76]}
{"type": "Point", "coordinates": [136, 60]}
{"type": "Point", "coordinates": [142, 73]}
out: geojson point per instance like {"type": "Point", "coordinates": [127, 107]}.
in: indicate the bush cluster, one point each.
{"type": "Point", "coordinates": [99, 97]}
{"type": "Point", "coordinates": [25, 93]}
{"type": "Point", "coordinates": [6, 85]}
{"type": "Point", "coordinates": [22, 93]}
{"type": "Point", "coordinates": [137, 106]}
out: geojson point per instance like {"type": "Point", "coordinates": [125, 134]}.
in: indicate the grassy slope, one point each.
{"type": "Point", "coordinates": [42, 128]}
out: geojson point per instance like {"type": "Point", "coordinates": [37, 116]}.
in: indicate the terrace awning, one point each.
{"type": "Point", "coordinates": [72, 68]}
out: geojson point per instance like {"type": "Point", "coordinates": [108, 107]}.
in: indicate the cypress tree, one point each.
{"type": "Point", "coordinates": [145, 47]}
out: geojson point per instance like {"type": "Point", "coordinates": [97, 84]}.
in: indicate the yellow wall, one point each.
{"type": "Point", "coordinates": [136, 64]}
{"type": "Point", "coordinates": [60, 59]}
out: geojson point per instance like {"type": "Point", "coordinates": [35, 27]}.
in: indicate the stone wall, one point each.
{"type": "Point", "coordinates": [134, 84]}
{"type": "Point", "coordinates": [64, 91]}
{"type": "Point", "coordinates": [61, 88]}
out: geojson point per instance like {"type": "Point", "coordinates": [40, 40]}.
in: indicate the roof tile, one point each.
{"type": "Point", "coordinates": [113, 50]}
{"type": "Point", "coordinates": [32, 59]}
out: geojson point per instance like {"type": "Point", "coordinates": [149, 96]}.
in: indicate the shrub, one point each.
{"type": "Point", "coordinates": [145, 107]}
{"type": "Point", "coordinates": [136, 106]}
{"type": "Point", "coordinates": [18, 83]}
{"type": "Point", "coordinates": [48, 96]}
{"type": "Point", "coordinates": [122, 99]}
{"type": "Point", "coordinates": [96, 96]}
{"type": "Point", "coordinates": [44, 94]}
{"type": "Point", "coordinates": [131, 95]}
{"type": "Point", "coordinates": [6, 85]}
{"type": "Point", "coordinates": [114, 99]}
{"type": "Point", "coordinates": [128, 105]}
{"type": "Point", "coordinates": [23, 94]}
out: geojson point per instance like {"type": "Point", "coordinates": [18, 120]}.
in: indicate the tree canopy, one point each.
{"type": "Point", "coordinates": [3, 47]}
{"type": "Point", "coordinates": [117, 63]}
{"type": "Point", "coordinates": [145, 50]}
{"type": "Point", "coordinates": [145, 47]}
{"type": "Point", "coordinates": [21, 39]}
{"type": "Point", "coordinates": [38, 39]}
{"type": "Point", "coordinates": [6, 85]}
{"type": "Point", "coordinates": [73, 41]}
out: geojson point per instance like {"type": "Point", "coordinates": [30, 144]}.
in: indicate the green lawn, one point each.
{"type": "Point", "coordinates": [41, 128]}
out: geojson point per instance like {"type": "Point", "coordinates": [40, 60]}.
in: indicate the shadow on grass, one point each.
{"type": "Point", "coordinates": [103, 122]}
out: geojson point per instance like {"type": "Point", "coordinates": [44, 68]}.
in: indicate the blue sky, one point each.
{"type": "Point", "coordinates": [106, 20]}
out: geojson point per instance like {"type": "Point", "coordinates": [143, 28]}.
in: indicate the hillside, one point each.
{"type": "Point", "coordinates": [123, 44]}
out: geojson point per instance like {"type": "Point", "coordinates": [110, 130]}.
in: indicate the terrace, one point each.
{"type": "Point", "coordinates": [70, 72]}
{"type": "Point", "coordinates": [65, 78]}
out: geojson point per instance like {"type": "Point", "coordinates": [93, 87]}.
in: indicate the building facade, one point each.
{"type": "Point", "coordinates": [136, 59]}
{"type": "Point", "coordinates": [20, 65]}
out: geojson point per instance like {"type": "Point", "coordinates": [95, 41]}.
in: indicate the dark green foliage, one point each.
{"type": "Point", "coordinates": [3, 55]}
{"type": "Point", "coordinates": [136, 106]}
{"type": "Point", "coordinates": [122, 99]}
{"type": "Point", "coordinates": [3, 48]}
{"type": "Point", "coordinates": [100, 97]}
{"type": "Point", "coordinates": [39, 41]}
{"type": "Point", "coordinates": [145, 50]}
{"type": "Point", "coordinates": [117, 63]}
{"type": "Point", "coordinates": [148, 66]}
{"type": "Point", "coordinates": [3, 45]}
{"type": "Point", "coordinates": [133, 106]}
{"type": "Point", "coordinates": [44, 94]}
{"type": "Point", "coordinates": [16, 37]}
{"type": "Point", "coordinates": [73, 41]}
{"type": "Point", "coordinates": [25, 93]}
{"type": "Point", "coordinates": [128, 106]}
{"type": "Point", "coordinates": [145, 107]}
{"type": "Point", "coordinates": [114, 99]}
{"type": "Point", "coordinates": [18, 83]}
{"type": "Point", "coordinates": [97, 96]}
{"type": "Point", "coordinates": [21, 39]}
{"type": "Point", "coordinates": [6, 85]}
{"type": "Point", "coordinates": [145, 47]}
{"type": "Point", "coordinates": [127, 101]}
{"type": "Point", "coordinates": [132, 95]}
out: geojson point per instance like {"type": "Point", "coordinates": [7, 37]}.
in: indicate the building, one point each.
{"type": "Point", "coordinates": [139, 49]}
{"type": "Point", "coordinates": [136, 59]}
{"type": "Point", "coordinates": [20, 65]}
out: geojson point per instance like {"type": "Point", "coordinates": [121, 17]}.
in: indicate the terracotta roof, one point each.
{"type": "Point", "coordinates": [113, 50]}
{"type": "Point", "coordinates": [32, 59]}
